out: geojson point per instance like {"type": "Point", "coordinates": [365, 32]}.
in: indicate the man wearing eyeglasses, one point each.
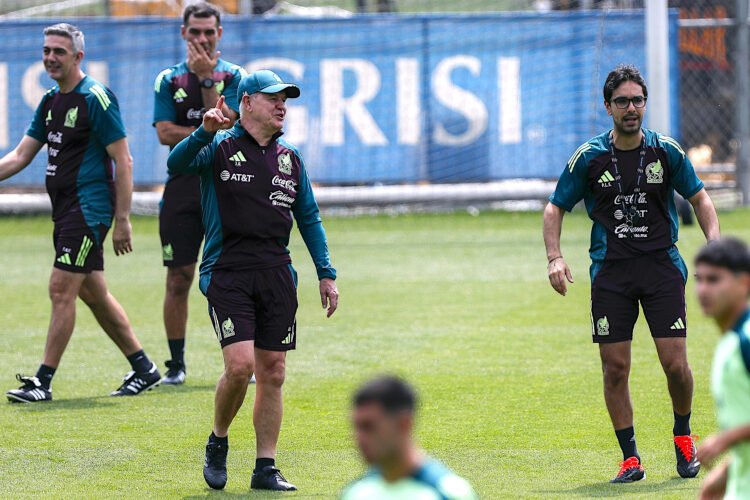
{"type": "Point", "coordinates": [627, 177]}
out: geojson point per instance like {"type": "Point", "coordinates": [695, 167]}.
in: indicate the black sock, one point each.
{"type": "Point", "coordinates": [177, 348]}
{"type": "Point", "coordinates": [140, 362]}
{"type": "Point", "coordinates": [626, 438]}
{"type": "Point", "coordinates": [216, 439]}
{"type": "Point", "coordinates": [45, 374]}
{"type": "Point", "coordinates": [681, 425]}
{"type": "Point", "coordinates": [264, 462]}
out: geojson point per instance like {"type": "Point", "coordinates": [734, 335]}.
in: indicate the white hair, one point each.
{"type": "Point", "coordinates": [252, 96]}
{"type": "Point", "coordinates": [68, 31]}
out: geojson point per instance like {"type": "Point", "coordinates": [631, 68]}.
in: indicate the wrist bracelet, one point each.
{"type": "Point", "coordinates": [553, 259]}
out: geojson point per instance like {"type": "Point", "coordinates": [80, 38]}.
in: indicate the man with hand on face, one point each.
{"type": "Point", "coordinates": [383, 417]}
{"type": "Point", "coordinates": [722, 272]}
{"type": "Point", "coordinates": [79, 120]}
{"type": "Point", "coordinates": [183, 93]}
{"type": "Point", "coordinates": [252, 183]}
{"type": "Point", "coordinates": [627, 177]}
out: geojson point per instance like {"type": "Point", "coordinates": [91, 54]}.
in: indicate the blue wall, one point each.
{"type": "Point", "coordinates": [384, 98]}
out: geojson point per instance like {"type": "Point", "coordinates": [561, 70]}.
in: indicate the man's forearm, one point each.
{"type": "Point", "coordinates": [10, 165]}
{"type": "Point", "coordinates": [705, 212]}
{"type": "Point", "coordinates": [715, 483]}
{"type": "Point", "coordinates": [307, 215]}
{"type": "Point", "coordinates": [20, 157]}
{"type": "Point", "coordinates": [552, 227]}
{"type": "Point", "coordinates": [123, 187]}
{"type": "Point", "coordinates": [736, 436]}
{"type": "Point", "coordinates": [180, 160]}
{"type": "Point", "coordinates": [170, 134]}
{"type": "Point", "coordinates": [314, 237]}
{"type": "Point", "coordinates": [210, 97]}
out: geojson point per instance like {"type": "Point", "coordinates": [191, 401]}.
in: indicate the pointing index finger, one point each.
{"type": "Point", "coordinates": [220, 102]}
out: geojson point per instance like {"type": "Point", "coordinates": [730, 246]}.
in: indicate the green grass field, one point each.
{"type": "Point", "coordinates": [509, 379]}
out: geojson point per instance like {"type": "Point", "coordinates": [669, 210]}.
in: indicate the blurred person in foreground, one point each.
{"type": "Point", "coordinates": [383, 415]}
{"type": "Point", "coordinates": [79, 121]}
{"type": "Point", "coordinates": [722, 272]}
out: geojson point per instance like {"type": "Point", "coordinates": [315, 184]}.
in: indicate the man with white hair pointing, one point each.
{"type": "Point", "coordinates": [252, 183]}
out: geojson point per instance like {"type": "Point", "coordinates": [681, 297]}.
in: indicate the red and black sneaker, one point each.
{"type": "Point", "coordinates": [684, 448]}
{"type": "Point", "coordinates": [630, 471]}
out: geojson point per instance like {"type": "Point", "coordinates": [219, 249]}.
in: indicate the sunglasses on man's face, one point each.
{"type": "Point", "coordinates": [623, 102]}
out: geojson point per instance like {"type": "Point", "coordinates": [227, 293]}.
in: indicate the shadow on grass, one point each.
{"type": "Point", "coordinates": [605, 490]}
{"type": "Point", "coordinates": [209, 493]}
{"type": "Point", "coordinates": [87, 403]}
{"type": "Point", "coordinates": [66, 404]}
{"type": "Point", "coordinates": [178, 389]}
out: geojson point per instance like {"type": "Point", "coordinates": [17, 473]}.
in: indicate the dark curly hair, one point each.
{"type": "Point", "coordinates": [623, 73]}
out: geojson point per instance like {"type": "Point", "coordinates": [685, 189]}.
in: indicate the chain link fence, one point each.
{"type": "Point", "coordinates": [708, 89]}
{"type": "Point", "coordinates": [707, 59]}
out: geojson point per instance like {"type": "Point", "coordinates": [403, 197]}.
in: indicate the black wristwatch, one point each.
{"type": "Point", "coordinates": [208, 83]}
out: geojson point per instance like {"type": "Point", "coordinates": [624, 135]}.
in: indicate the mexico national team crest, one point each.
{"type": "Point", "coordinates": [285, 164]}
{"type": "Point", "coordinates": [70, 117]}
{"type": "Point", "coordinates": [227, 328]}
{"type": "Point", "coordinates": [167, 252]}
{"type": "Point", "coordinates": [602, 326]}
{"type": "Point", "coordinates": [654, 173]}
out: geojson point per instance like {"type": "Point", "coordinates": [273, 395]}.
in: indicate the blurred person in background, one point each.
{"type": "Point", "coordinates": [182, 94]}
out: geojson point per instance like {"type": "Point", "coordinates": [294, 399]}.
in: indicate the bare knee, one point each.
{"type": "Point", "coordinates": [179, 280]}
{"type": "Point", "coordinates": [90, 298]}
{"type": "Point", "coordinates": [272, 372]}
{"type": "Point", "coordinates": [677, 369]}
{"type": "Point", "coordinates": [61, 292]}
{"type": "Point", "coordinates": [615, 371]}
{"type": "Point", "coordinates": [239, 370]}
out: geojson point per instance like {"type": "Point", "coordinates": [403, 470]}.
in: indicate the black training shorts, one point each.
{"type": "Point", "coordinates": [656, 281]}
{"type": "Point", "coordinates": [181, 221]}
{"type": "Point", "coordinates": [259, 305]}
{"type": "Point", "coordinates": [77, 248]}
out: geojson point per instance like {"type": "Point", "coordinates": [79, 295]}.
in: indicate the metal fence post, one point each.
{"type": "Point", "coordinates": [657, 69]}
{"type": "Point", "coordinates": [742, 72]}
{"type": "Point", "coordinates": [246, 7]}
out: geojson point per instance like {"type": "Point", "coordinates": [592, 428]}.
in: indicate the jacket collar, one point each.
{"type": "Point", "coordinates": [240, 130]}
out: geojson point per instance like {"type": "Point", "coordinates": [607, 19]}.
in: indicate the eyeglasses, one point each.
{"type": "Point", "coordinates": [624, 102]}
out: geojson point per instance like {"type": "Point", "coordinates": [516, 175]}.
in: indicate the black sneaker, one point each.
{"type": "Point", "coordinates": [175, 373]}
{"type": "Point", "coordinates": [630, 471]}
{"type": "Point", "coordinates": [684, 448]}
{"type": "Point", "coordinates": [30, 392]}
{"type": "Point", "coordinates": [136, 383]}
{"type": "Point", "coordinates": [270, 478]}
{"type": "Point", "coordinates": [215, 466]}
